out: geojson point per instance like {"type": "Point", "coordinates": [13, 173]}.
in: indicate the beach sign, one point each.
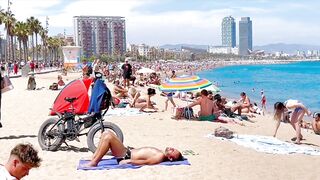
{"type": "Point", "coordinates": [71, 55]}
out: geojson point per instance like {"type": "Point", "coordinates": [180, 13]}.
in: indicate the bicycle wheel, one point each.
{"type": "Point", "coordinates": [52, 140]}
{"type": "Point", "coordinates": [94, 134]}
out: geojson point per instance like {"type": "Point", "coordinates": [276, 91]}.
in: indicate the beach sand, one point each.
{"type": "Point", "coordinates": [24, 111]}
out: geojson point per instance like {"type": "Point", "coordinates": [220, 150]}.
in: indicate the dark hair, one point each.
{"type": "Point", "coordinates": [180, 158]}
{"type": "Point", "coordinates": [217, 96]}
{"type": "Point", "coordinates": [316, 114]}
{"type": "Point", "coordinates": [151, 91]}
{"type": "Point", "coordinates": [204, 92]}
{"type": "Point", "coordinates": [242, 94]}
{"type": "Point", "coordinates": [279, 106]}
{"type": "Point", "coordinates": [27, 154]}
{"type": "Point", "coordinates": [210, 92]}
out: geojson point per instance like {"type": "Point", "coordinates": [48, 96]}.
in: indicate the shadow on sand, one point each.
{"type": "Point", "coordinates": [73, 148]}
{"type": "Point", "coordinates": [18, 137]}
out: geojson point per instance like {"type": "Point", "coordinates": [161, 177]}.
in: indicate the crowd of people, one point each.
{"type": "Point", "coordinates": [138, 94]}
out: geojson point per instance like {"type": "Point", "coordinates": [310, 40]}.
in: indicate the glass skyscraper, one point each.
{"type": "Point", "coordinates": [228, 32]}
{"type": "Point", "coordinates": [245, 36]}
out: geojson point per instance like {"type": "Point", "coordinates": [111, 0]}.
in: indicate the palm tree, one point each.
{"type": "Point", "coordinates": [44, 37]}
{"type": "Point", "coordinates": [9, 22]}
{"type": "Point", "coordinates": [32, 24]}
{"type": "Point", "coordinates": [37, 27]}
{"type": "Point", "coordinates": [21, 31]}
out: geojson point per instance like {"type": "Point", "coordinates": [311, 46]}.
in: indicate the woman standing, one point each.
{"type": "Point", "coordinates": [298, 111]}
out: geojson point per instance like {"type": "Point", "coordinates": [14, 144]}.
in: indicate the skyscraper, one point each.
{"type": "Point", "coordinates": [245, 36]}
{"type": "Point", "coordinates": [228, 32]}
{"type": "Point", "coordinates": [99, 35]}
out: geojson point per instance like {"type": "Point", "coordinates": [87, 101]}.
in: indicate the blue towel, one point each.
{"type": "Point", "coordinates": [112, 163]}
{"type": "Point", "coordinates": [97, 93]}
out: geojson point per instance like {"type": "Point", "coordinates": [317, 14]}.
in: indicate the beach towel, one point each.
{"type": "Point", "coordinates": [124, 112]}
{"type": "Point", "coordinates": [106, 164]}
{"type": "Point", "coordinates": [269, 144]}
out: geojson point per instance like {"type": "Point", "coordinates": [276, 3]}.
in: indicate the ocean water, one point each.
{"type": "Point", "coordinates": [279, 82]}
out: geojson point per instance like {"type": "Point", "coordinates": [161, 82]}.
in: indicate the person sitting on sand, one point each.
{"type": "Point", "coordinates": [31, 83]}
{"type": "Point", "coordinates": [60, 81]}
{"type": "Point", "coordinates": [23, 157]}
{"type": "Point", "coordinates": [243, 104]}
{"type": "Point", "coordinates": [119, 91]}
{"type": "Point", "coordinates": [135, 156]}
{"type": "Point", "coordinates": [206, 112]}
{"type": "Point", "coordinates": [280, 108]}
{"type": "Point", "coordinates": [145, 101]}
{"type": "Point", "coordinates": [133, 95]}
{"type": "Point", "coordinates": [316, 123]}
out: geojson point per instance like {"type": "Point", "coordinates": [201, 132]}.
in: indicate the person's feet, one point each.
{"type": "Point", "coordinates": [90, 164]}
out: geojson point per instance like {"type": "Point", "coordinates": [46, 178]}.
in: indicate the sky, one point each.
{"type": "Point", "coordinates": [159, 22]}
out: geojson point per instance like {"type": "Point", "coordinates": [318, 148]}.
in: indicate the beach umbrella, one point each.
{"type": "Point", "coordinates": [145, 71]}
{"type": "Point", "coordinates": [213, 88]}
{"type": "Point", "coordinates": [185, 83]}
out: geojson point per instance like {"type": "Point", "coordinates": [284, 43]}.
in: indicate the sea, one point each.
{"type": "Point", "coordinates": [279, 82]}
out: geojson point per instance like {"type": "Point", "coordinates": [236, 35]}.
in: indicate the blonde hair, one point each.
{"type": "Point", "coordinates": [132, 91]}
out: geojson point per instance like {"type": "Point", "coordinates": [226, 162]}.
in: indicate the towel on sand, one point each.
{"type": "Point", "coordinates": [112, 163]}
{"type": "Point", "coordinates": [269, 144]}
{"type": "Point", "coordinates": [124, 112]}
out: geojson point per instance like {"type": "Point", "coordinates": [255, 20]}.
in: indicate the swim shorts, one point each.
{"type": "Point", "coordinates": [211, 117]}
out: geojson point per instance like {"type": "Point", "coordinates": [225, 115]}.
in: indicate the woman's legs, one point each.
{"type": "Point", "coordinates": [296, 120]}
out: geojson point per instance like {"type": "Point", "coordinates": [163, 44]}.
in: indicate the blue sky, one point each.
{"type": "Point", "coordinates": [157, 22]}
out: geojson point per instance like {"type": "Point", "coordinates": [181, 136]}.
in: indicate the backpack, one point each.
{"type": "Point", "coordinates": [188, 113]}
{"type": "Point", "coordinates": [106, 100]}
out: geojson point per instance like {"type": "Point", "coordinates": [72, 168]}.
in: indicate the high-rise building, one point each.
{"type": "Point", "coordinates": [245, 36]}
{"type": "Point", "coordinates": [228, 32]}
{"type": "Point", "coordinates": [99, 35]}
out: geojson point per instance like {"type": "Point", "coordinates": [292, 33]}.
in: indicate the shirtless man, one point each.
{"type": "Point", "coordinates": [243, 104]}
{"type": "Point", "coordinates": [316, 123]}
{"type": "Point", "coordinates": [207, 109]}
{"type": "Point", "coordinates": [139, 156]}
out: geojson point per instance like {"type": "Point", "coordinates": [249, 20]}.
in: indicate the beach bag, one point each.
{"type": "Point", "coordinates": [6, 84]}
{"type": "Point", "coordinates": [54, 86]}
{"type": "Point", "coordinates": [188, 113]}
{"type": "Point", "coordinates": [223, 132]}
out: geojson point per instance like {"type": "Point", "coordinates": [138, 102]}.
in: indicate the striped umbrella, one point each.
{"type": "Point", "coordinates": [184, 83]}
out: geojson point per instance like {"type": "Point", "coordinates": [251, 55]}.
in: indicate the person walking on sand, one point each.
{"type": "Point", "coordinates": [23, 157]}
{"type": "Point", "coordinates": [263, 102]}
{"type": "Point", "coordinates": [169, 98]}
{"type": "Point", "coordinates": [281, 108]}
{"type": "Point", "coordinates": [135, 156]}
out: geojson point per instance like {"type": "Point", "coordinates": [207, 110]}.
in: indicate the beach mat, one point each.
{"type": "Point", "coordinates": [106, 164]}
{"type": "Point", "coordinates": [124, 112]}
{"type": "Point", "coordinates": [269, 145]}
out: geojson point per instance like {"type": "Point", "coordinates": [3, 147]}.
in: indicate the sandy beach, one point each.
{"type": "Point", "coordinates": [24, 111]}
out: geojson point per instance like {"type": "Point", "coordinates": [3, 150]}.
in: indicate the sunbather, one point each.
{"type": "Point", "coordinates": [133, 95]}
{"type": "Point", "coordinates": [296, 118]}
{"type": "Point", "coordinates": [139, 156]}
{"type": "Point", "coordinates": [145, 101]}
{"type": "Point", "coordinates": [316, 123]}
{"type": "Point", "coordinates": [243, 105]}
{"type": "Point", "coordinates": [119, 91]}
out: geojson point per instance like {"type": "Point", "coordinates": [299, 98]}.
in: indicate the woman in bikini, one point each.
{"type": "Point", "coordinates": [281, 108]}
{"type": "Point", "coordinates": [316, 123]}
{"type": "Point", "coordinates": [145, 101]}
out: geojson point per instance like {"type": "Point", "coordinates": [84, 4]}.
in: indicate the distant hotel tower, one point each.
{"type": "Point", "coordinates": [245, 36]}
{"type": "Point", "coordinates": [99, 35]}
{"type": "Point", "coordinates": [228, 30]}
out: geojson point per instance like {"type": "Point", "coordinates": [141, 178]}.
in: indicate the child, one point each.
{"type": "Point", "coordinates": [169, 98]}
{"type": "Point", "coordinates": [60, 81]}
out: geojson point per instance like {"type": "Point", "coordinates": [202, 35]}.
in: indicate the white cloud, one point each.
{"type": "Point", "coordinates": [198, 27]}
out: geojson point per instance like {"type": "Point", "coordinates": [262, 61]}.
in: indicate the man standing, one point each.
{"type": "Point", "coordinates": [127, 72]}
{"type": "Point", "coordinates": [22, 158]}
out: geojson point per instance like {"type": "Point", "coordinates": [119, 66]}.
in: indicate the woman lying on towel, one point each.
{"type": "Point", "coordinates": [139, 156]}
